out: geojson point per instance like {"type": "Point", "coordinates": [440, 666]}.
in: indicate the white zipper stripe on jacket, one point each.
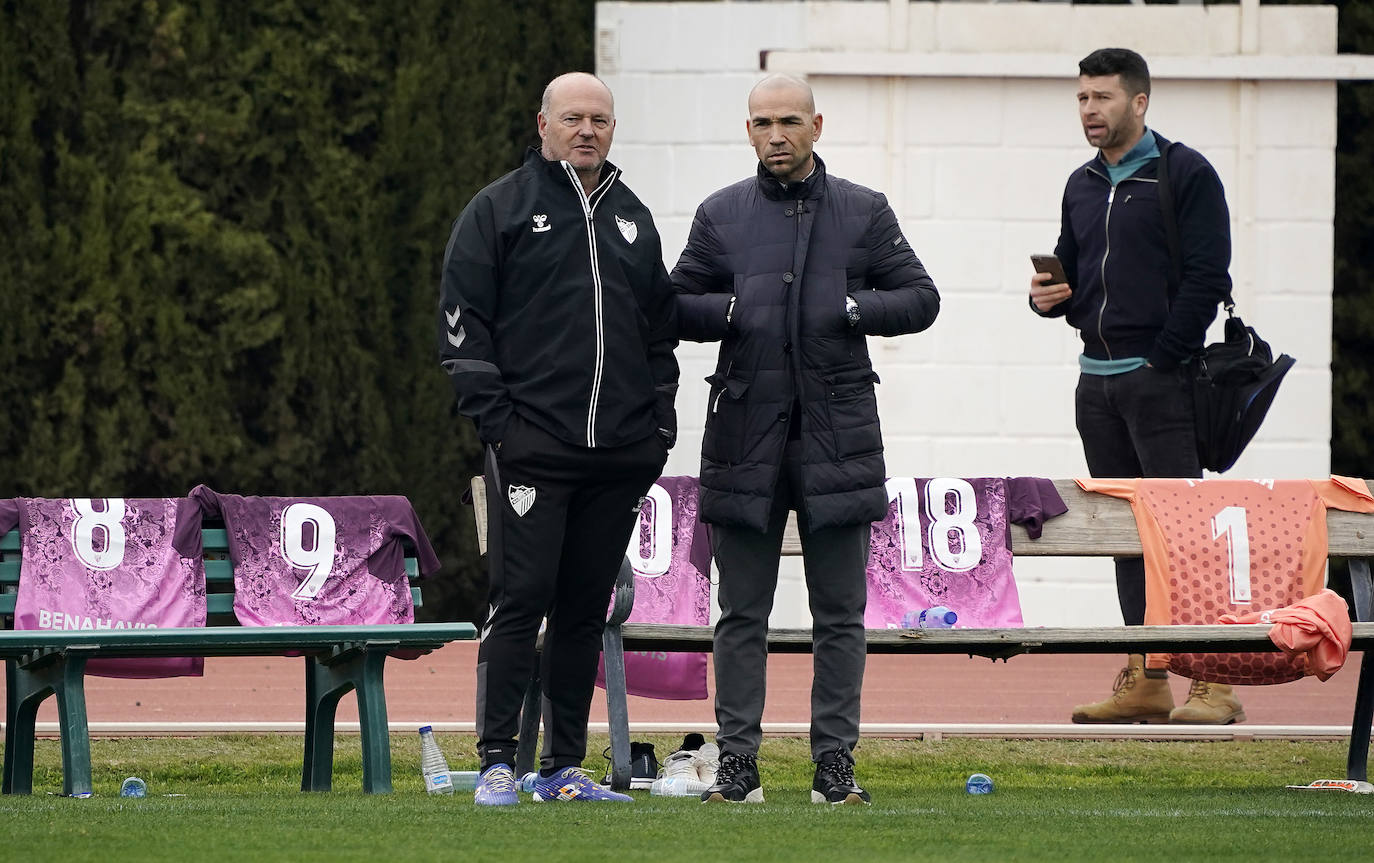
{"type": "Point", "coordinates": [1107, 237]}
{"type": "Point", "coordinates": [588, 209]}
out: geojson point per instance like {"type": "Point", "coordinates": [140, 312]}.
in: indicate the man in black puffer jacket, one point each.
{"type": "Point", "coordinates": [790, 270]}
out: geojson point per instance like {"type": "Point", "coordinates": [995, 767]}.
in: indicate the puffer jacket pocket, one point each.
{"type": "Point", "coordinates": [853, 405]}
{"type": "Point", "coordinates": [726, 414]}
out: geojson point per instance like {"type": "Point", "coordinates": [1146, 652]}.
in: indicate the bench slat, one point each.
{"type": "Point", "coordinates": [233, 640]}
{"type": "Point", "coordinates": [1221, 638]}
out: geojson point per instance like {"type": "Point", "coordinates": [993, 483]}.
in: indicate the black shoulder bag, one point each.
{"type": "Point", "coordinates": [1234, 380]}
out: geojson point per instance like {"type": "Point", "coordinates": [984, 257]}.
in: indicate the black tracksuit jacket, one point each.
{"type": "Point", "coordinates": [1113, 248]}
{"type": "Point", "coordinates": [555, 304]}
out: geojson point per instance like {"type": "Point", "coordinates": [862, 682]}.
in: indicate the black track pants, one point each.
{"type": "Point", "coordinates": [560, 518]}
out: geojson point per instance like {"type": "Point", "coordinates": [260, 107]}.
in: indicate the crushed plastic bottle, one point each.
{"type": "Point", "coordinates": [978, 783]}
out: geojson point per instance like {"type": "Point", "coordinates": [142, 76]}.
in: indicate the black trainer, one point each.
{"type": "Point", "coordinates": [834, 782]}
{"type": "Point", "coordinates": [643, 765]}
{"type": "Point", "coordinates": [737, 781]}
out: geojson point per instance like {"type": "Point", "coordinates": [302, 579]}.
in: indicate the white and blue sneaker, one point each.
{"type": "Point", "coordinates": [496, 787]}
{"type": "Point", "coordinates": [573, 783]}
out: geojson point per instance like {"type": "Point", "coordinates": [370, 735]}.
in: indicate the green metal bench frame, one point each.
{"type": "Point", "coordinates": [1094, 526]}
{"type": "Point", "coordinates": [338, 659]}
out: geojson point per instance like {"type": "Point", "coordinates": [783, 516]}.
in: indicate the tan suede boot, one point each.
{"type": "Point", "coordinates": [1137, 696]}
{"type": "Point", "coordinates": [1208, 704]}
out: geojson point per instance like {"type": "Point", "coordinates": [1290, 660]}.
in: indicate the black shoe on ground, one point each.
{"type": "Point", "coordinates": [643, 765]}
{"type": "Point", "coordinates": [834, 782]}
{"type": "Point", "coordinates": [737, 781]}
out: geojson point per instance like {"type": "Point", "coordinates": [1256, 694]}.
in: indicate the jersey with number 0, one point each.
{"type": "Point", "coordinates": [671, 557]}
{"type": "Point", "coordinates": [946, 542]}
{"type": "Point", "coordinates": [110, 563]}
{"type": "Point", "coordinates": [1231, 546]}
{"type": "Point", "coordinates": [320, 560]}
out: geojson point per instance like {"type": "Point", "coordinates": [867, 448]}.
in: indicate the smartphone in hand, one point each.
{"type": "Point", "coordinates": [1049, 264]}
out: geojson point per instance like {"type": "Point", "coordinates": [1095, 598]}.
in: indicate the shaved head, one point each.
{"type": "Point", "coordinates": [783, 126]}
{"type": "Point", "coordinates": [782, 81]}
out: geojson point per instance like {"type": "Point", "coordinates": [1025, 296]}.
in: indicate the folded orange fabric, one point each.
{"type": "Point", "coordinates": [1318, 628]}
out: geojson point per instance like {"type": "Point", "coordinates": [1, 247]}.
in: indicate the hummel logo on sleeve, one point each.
{"type": "Point", "coordinates": [540, 223]}
{"type": "Point", "coordinates": [455, 337]}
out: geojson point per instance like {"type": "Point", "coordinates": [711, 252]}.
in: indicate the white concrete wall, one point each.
{"type": "Point", "coordinates": [974, 167]}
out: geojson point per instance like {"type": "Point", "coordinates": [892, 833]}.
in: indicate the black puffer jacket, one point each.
{"type": "Point", "coordinates": [789, 255]}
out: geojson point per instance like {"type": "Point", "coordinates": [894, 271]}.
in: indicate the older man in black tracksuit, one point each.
{"type": "Point", "coordinates": [1140, 325]}
{"type": "Point", "coordinates": [790, 270]}
{"type": "Point", "coordinates": [557, 331]}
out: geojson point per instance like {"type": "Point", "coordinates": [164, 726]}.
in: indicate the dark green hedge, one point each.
{"type": "Point", "coordinates": [221, 226]}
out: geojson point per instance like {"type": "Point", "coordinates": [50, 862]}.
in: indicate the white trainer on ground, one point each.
{"type": "Point", "coordinates": [689, 771]}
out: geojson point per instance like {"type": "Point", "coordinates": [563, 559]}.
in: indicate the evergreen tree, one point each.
{"type": "Point", "coordinates": [222, 226]}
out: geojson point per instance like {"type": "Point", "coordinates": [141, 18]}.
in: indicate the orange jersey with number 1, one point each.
{"type": "Point", "coordinates": [1220, 546]}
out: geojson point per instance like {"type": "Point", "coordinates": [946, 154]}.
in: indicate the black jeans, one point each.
{"type": "Point", "coordinates": [1139, 424]}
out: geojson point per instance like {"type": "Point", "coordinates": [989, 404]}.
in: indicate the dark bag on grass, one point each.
{"type": "Point", "coordinates": [1234, 380]}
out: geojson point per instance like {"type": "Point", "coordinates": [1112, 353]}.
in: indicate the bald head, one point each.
{"type": "Point", "coordinates": [779, 82]}
{"type": "Point", "coordinates": [783, 126]}
{"type": "Point", "coordinates": [577, 123]}
{"type": "Point", "coordinates": [578, 80]}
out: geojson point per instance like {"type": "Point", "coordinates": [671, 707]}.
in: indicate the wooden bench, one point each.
{"type": "Point", "coordinates": [39, 663]}
{"type": "Point", "coordinates": [1094, 526]}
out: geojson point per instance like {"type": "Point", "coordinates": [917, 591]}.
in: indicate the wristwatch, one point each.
{"type": "Point", "coordinates": [851, 310]}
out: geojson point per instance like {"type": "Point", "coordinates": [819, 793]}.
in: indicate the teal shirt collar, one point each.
{"type": "Point", "coordinates": [1137, 157]}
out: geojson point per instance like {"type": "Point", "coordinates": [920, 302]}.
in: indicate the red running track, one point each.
{"type": "Point", "coordinates": [439, 688]}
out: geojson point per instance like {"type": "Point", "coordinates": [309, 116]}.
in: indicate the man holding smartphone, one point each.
{"type": "Point", "coordinates": [1139, 324]}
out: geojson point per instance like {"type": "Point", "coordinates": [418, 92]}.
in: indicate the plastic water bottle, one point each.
{"type": "Point", "coordinates": [978, 783]}
{"type": "Point", "coordinates": [938, 617]}
{"type": "Point", "coordinates": [464, 780]}
{"type": "Point", "coordinates": [527, 781]}
{"type": "Point", "coordinates": [133, 787]}
{"type": "Point", "coordinates": [432, 764]}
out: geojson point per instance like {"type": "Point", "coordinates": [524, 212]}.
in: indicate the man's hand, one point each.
{"type": "Point", "coordinates": [1045, 297]}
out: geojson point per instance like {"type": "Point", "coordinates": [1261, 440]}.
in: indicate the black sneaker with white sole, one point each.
{"type": "Point", "coordinates": [737, 781]}
{"type": "Point", "coordinates": [835, 783]}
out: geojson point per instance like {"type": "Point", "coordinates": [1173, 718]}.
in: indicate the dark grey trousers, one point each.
{"type": "Point", "coordinates": [1139, 424]}
{"type": "Point", "coordinates": [835, 560]}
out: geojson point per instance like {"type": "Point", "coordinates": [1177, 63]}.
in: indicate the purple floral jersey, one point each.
{"type": "Point", "coordinates": [671, 556]}
{"type": "Point", "coordinates": [110, 563]}
{"type": "Point", "coordinates": [946, 542]}
{"type": "Point", "coordinates": [320, 560]}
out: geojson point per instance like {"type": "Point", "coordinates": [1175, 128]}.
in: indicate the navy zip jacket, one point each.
{"type": "Point", "coordinates": [555, 304]}
{"type": "Point", "coordinates": [1113, 248]}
